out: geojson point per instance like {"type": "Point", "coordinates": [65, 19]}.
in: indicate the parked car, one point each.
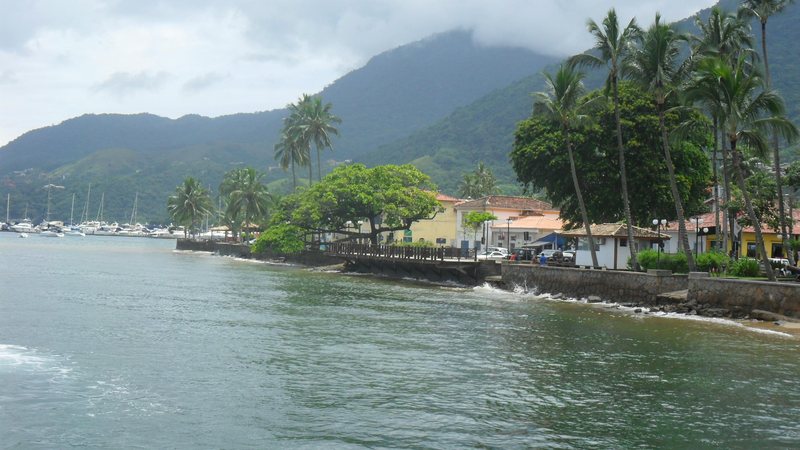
{"type": "Point", "coordinates": [524, 254]}
{"type": "Point", "coordinates": [502, 250]}
{"type": "Point", "coordinates": [550, 253]}
{"type": "Point", "coordinates": [495, 255]}
{"type": "Point", "coordinates": [568, 256]}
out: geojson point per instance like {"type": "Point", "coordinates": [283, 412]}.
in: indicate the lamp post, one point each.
{"type": "Point", "coordinates": [659, 224]}
{"type": "Point", "coordinates": [360, 239]}
{"type": "Point", "coordinates": [508, 233]}
{"type": "Point", "coordinates": [697, 221]}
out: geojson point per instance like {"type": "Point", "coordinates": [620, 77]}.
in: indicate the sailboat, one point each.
{"type": "Point", "coordinates": [73, 230]}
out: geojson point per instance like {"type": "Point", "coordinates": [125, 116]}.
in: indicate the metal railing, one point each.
{"type": "Point", "coordinates": [396, 252]}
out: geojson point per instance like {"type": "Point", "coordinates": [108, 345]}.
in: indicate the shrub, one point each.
{"type": "Point", "coordinates": [745, 267]}
{"type": "Point", "coordinates": [712, 261]}
{"type": "Point", "coordinates": [652, 259]}
{"type": "Point", "coordinates": [413, 244]}
{"type": "Point", "coordinates": [284, 238]}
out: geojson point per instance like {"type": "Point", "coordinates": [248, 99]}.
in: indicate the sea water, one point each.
{"type": "Point", "coordinates": [123, 342]}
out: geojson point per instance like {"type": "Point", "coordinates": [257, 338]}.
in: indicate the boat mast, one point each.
{"type": "Point", "coordinates": [8, 203]}
{"type": "Point", "coordinates": [100, 209]}
{"type": "Point", "coordinates": [72, 209]}
{"type": "Point", "coordinates": [133, 211]}
{"type": "Point", "coordinates": [85, 212]}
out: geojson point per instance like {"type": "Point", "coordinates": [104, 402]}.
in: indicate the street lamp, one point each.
{"type": "Point", "coordinates": [360, 239]}
{"type": "Point", "coordinates": [658, 224]}
{"type": "Point", "coordinates": [697, 221]}
{"type": "Point", "coordinates": [508, 233]}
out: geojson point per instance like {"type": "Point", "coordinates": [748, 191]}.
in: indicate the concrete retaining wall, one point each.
{"type": "Point", "coordinates": [617, 286]}
{"type": "Point", "coordinates": [307, 258]}
{"type": "Point", "coordinates": [741, 297]}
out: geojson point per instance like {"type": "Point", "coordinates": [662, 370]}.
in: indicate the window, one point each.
{"type": "Point", "coordinates": [751, 249]}
{"type": "Point", "coordinates": [441, 241]}
{"type": "Point", "coordinates": [777, 251]}
{"type": "Point", "coordinates": [623, 242]}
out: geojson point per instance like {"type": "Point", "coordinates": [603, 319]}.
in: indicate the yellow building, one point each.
{"type": "Point", "coordinates": [440, 230]}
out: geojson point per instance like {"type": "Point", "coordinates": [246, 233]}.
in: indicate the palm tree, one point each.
{"type": "Point", "coordinates": [248, 198]}
{"type": "Point", "coordinates": [189, 204]}
{"type": "Point", "coordinates": [317, 125]}
{"type": "Point", "coordinates": [614, 45]}
{"type": "Point", "coordinates": [746, 111]}
{"type": "Point", "coordinates": [289, 153]}
{"type": "Point", "coordinates": [293, 130]}
{"type": "Point", "coordinates": [478, 183]}
{"type": "Point", "coordinates": [654, 65]}
{"type": "Point", "coordinates": [727, 36]}
{"type": "Point", "coordinates": [562, 104]}
{"type": "Point", "coordinates": [763, 10]}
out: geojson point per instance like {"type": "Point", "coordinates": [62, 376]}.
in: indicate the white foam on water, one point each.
{"type": "Point", "coordinates": [15, 357]}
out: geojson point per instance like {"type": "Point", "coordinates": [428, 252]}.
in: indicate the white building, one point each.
{"type": "Point", "coordinates": [611, 244]}
{"type": "Point", "coordinates": [503, 207]}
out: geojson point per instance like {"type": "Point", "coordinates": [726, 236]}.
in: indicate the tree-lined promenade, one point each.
{"type": "Point", "coordinates": [681, 118]}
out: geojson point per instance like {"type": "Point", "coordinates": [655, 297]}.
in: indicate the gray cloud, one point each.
{"type": "Point", "coordinates": [204, 81]}
{"type": "Point", "coordinates": [123, 83]}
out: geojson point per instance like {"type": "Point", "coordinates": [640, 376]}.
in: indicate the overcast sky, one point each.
{"type": "Point", "coordinates": [63, 58]}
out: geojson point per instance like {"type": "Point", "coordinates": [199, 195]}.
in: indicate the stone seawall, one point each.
{"type": "Point", "coordinates": [742, 297]}
{"type": "Point", "coordinates": [616, 286]}
{"type": "Point", "coordinates": [306, 258]}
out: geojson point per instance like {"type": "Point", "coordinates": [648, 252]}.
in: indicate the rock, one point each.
{"type": "Point", "coordinates": [557, 296]}
{"type": "Point", "coordinates": [594, 299]}
{"type": "Point", "coordinates": [637, 310]}
{"type": "Point", "coordinates": [768, 316]}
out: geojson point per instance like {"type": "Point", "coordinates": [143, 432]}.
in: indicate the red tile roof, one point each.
{"type": "Point", "coordinates": [508, 202]}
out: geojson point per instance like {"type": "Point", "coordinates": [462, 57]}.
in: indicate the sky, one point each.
{"type": "Point", "coordinates": [63, 58]}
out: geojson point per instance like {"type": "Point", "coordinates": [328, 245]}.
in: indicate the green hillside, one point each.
{"type": "Point", "coordinates": [393, 95]}
{"type": "Point", "coordinates": [484, 130]}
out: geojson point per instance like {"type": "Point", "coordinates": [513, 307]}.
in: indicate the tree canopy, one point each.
{"type": "Point", "coordinates": [540, 162]}
{"type": "Point", "coordinates": [385, 198]}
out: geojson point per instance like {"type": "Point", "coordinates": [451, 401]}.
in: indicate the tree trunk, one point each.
{"type": "Point", "coordinates": [776, 155]}
{"type": "Point", "coordinates": [684, 240]}
{"type": "Point", "coordinates": [715, 172]}
{"type": "Point", "coordinates": [294, 177]}
{"type": "Point", "coordinates": [581, 205]}
{"type": "Point", "coordinates": [319, 167]}
{"type": "Point", "coordinates": [626, 204]}
{"type": "Point", "coordinates": [751, 212]}
{"type": "Point", "coordinates": [729, 219]}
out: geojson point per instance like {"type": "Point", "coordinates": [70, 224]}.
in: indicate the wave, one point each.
{"type": "Point", "coordinates": [16, 357]}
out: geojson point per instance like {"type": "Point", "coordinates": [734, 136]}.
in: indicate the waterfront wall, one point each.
{"type": "Point", "coordinates": [742, 297]}
{"type": "Point", "coordinates": [616, 286]}
{"type": "Point", "coordinates": [306, 258]}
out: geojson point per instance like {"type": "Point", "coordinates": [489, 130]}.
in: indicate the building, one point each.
{"type": "Point", "coordinates": [440, 229]}
{"type": "Point", "coordinates": [611, 244]}
{"type": "Point", "coordinates": [503, 207]}
{"type": "Point", "coordinates": [539, 230]}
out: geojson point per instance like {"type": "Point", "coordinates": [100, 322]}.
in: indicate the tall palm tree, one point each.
{"type": "Point", "coordinates": [248, 197]}
{"type": "Point", "coordinates": [478, 183]}
{"type": "Point", "coordinates": [294, 131]}
{"type": "Point", "coordinates": [289, 153]}
{"type": "Point", "coordinates": [763, 10]}
{"type": "Point", "coordinates": [746, 112]}
{"type": "Point", "coordinates": [655, 66]}
{"type": "Point", "coordinates": [317, 125]}
{"type": "Point", "coordinates": [189, 204]}
{"type": "Point", "coordinates": [727, 36]}
{"type": "Point", "coordinates": [562, 104]}
{"type": "Point", "coordinates": [613, 45]}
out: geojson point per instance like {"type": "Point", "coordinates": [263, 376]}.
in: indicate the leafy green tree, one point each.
{"type": "Point", "coordinates": [561, 104]}
{"type": "Point", "coordinates": [655, 66]}
{"type": "Point", "coordinates": [746, 112]}
{"type": "Point", "coordinates": [189, 204]}
{"type": "Point", "coordinates": [389, 198]}
{"type": "Point", "coordinates": [763, 10]}
{"type": "Point", "coordinates": [539, 161]}
{"type": "Point", "coordinates": [280, 238]}
{"type": "Point", "coordinates": [246, 196]}
{"type": "Point", "coordinates": [474, 220]}
{"type": "Point", "coordinates": [478, 183]}
{"type": "Point", "coordinates": [614, 45]}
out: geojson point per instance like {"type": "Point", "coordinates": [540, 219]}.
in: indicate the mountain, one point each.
{"type": "Point", "coordinates": [484, 130]}
{"type": "Point", "coordinates": [393, 95]}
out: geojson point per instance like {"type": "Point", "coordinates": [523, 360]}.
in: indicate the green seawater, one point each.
{"type": "Point", "coordinates": [125, 343]}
